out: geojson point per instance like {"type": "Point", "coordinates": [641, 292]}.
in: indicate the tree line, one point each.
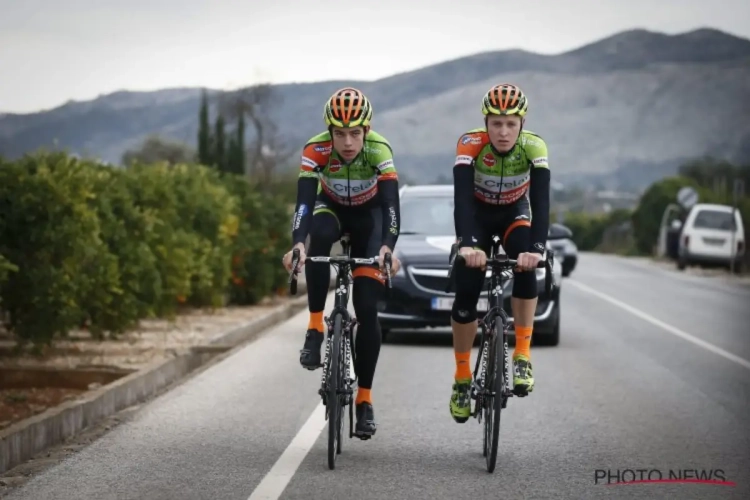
{"type": "Point", "coordinates": [222, 142]}
{"type": "Point", "coordinates": [84, 245]}
{"type": "Point", "coordinates": [710, 177]}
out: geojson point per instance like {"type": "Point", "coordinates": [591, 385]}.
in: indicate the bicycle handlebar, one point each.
{"type": "Point", "coordinates": [339, 259]}
{"type": "Point", "coordinates": [506, 264]}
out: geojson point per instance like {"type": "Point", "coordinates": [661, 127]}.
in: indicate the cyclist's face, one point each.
{"type": "Point", "coordinates": [348, 142]}
{"type": "Point", "coordinates": [503, 131]}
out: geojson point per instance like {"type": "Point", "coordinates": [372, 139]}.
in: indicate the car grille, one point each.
{"type": "Point", "coordinates": [428, 280]}
{"type": "Point", "coordinates": [432, 283]}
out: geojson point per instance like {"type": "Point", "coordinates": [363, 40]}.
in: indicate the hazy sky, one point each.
{"type": "Point", "coordinates": [55, 50]}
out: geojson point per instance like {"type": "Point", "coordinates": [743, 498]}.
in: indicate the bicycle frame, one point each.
{"type": "Point", "coordinates": [499, 268]}
{"type": "Point", "coordinates": [343, 338]}
{"type": "Point", "coordinates": [487, 325]}
{"type": "Point", "coordinates": [488, 361]}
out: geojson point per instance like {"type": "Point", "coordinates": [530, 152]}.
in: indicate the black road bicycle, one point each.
{"type": "Point", "coordinates": [338, 364]}
{"type": "Point", "coordinates": [492, 383]}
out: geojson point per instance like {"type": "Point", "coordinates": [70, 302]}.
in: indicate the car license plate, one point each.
{"type": "Point", "coordinates": [446, 304]}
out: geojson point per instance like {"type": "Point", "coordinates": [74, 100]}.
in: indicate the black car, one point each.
{"type": "Point", "coordinates": [418, 298]}
{"type": "Point", "coordinates": [561, 241]}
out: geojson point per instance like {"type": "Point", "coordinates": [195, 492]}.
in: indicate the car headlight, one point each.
{"type": "Point", "coordinates": [541, 273]}
{"type": "Point", "coordinates": [400, 272]}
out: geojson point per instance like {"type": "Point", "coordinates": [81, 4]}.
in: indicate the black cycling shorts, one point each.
{"type": "Point", "coordinates": [501, 221]}
{"type": "Point", "coordinates": [364, 226]}
{"type": "Point", "coordinates": [513, 225]}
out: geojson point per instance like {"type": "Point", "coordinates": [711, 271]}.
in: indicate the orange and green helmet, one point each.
{"type": "Point", "coordinates": [505, 99]}
{"type": "Point", "coordinates": [347, 107]}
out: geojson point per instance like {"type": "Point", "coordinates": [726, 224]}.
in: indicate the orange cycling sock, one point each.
{"type": "Point", "coordinates": [363, 396]}
{"type": "Point", "coordinates": [316, 321]}
{"type": "Point", "coordinates": [523, 341]}
{"type": "Point", "coordinates": [463, 370]}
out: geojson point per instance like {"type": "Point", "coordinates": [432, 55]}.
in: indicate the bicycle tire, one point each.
{"type": "Point", "coordinates": [485, 352]}
{"type": "Point", "coordinates": [333, 403]}
{"type": "Point", "coordinates": [342, 397]}
{"type": "Point", "coordinates": [489, 382]}
{"type": "Point", "coordinates": [498, 383]}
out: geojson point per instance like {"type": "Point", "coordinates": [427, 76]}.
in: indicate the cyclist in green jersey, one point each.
{"type": "Point", "coordinates": [501, 177]}
{"type": "Point", "coordinates": [348, 173]}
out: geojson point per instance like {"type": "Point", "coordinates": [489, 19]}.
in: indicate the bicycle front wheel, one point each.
{"type": "Point", "coordinates": [496, 382]}
{"type": "Point", "coordinates": [333, 402]}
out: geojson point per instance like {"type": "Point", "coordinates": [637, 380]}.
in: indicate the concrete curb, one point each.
{"type": "Point", "coordinates": [25, 439]}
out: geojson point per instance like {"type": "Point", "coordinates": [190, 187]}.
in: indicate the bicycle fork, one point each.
{"type": "Point", "coordinates": [479, 391]}
{"type": "Point", "coordinates": [324, 375]}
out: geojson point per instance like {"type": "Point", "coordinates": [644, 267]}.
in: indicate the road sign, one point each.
{"type": "Point", "coordinates": [687, 197]}
{"type": "Point", "coordinates": [739, 189]}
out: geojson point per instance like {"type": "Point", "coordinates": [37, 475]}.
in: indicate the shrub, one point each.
{"type": "Point", "coordinates": [83, 244]}
{"type": "Point", "coordinates": [51, 233]}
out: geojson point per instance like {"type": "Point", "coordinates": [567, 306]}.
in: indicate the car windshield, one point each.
{"type": "Point", "coordinates": [429, 216]}
{"type": "Point", "coordinates": [714, 219]}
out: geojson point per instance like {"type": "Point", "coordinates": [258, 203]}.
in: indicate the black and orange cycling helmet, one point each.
{"type": "Point", "coordinates": [347, 107]}
{"type": "Point", "coordinates": [505, 99]}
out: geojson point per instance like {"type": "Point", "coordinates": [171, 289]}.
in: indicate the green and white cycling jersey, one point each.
{"type": "Point", "coordinates": [352, 184]}
{"type": "Point", "coordinates": [501, 179]}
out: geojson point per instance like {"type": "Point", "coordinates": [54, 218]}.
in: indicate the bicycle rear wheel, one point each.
{"type": "Point", "coordinates": [333, 403]}
{"type": "Point", "coordinates": [496, 373]}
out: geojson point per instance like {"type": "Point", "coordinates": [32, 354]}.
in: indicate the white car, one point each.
{"type": "Point", "coordinates": [710, 235]}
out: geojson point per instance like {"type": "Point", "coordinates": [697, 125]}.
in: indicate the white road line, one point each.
{"type": "Point", "coordinates": [671, 329]}
{"type": "Point", "coordinates": [274, 483]}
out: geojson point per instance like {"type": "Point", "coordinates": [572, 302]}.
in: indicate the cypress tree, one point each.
{"type": "Point", "coordinates": [239, 167]}
{"type": "Point", "coordinates": [204, 132]}
{"type": "Point", "coordinates": [219, 152]}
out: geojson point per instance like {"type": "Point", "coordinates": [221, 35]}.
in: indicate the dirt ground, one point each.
{"type": "Point", "coordinates": [20, 404]}
{"type": "Point", "coordinates": [153, 340]}
{"type": "Point", "coordinates": [711, 272]}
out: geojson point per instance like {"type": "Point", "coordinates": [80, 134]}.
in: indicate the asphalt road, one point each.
{"type": "Point", "coordinates": [654, 374]}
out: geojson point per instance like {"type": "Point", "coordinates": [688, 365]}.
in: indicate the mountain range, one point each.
{"type": "Point", "coordinates": [618, 113]}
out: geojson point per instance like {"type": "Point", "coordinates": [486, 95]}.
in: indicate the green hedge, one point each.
{"type": "Point", "coordinates": [589, 229]}
{"type": "Point", "coordinates": [85, 245]}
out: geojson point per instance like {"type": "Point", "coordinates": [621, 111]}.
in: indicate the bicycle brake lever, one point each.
{"type": "Point", "coordinates": [454, 252]}
{"type": "Point", "coordinates": [293, 273]}
{"type": "Point", "coordinates": [387, 261]}
{"type": "Point", "coordinates": [548, 277]}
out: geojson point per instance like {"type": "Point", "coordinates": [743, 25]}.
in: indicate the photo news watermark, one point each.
{"type": "Point", "coordinates": [612, 477]}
